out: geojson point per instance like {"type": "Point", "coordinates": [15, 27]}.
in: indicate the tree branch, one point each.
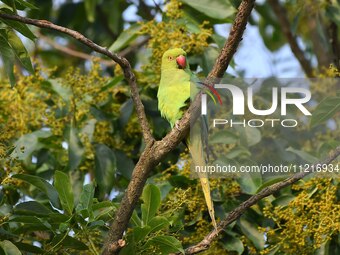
{"type": "Point", "coordinates": [237, 212]}
{"type": "Point", "coordinates": [234, 39]}
{"type": "Point", "coordinates": [72, 52]}
{"type": "Point", "coordinates": [123, 62]}
{"type": "Point", "coordinates": [155, 150]}
{"type": "Point", "coordinates": [282, 17]}
{"type": "Point", "coordinates": [85, 56]}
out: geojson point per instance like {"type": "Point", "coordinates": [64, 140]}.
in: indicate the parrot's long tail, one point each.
{"type": "Point", "coordinates": [196, 151]}
{"type": "Point", "coordinates": [206, 190]}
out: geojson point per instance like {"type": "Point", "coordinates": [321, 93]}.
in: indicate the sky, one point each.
{"type": "Point", "coordinates": [252, 57]}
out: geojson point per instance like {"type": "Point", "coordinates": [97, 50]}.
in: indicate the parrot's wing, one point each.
{"type": "Point", "coordinates": [206, 88]}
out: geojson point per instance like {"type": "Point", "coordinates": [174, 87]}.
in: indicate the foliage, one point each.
{"type": "Point", "coordinates": [307, 222]}
{"type": "Point", "coordinates": [70, 138]}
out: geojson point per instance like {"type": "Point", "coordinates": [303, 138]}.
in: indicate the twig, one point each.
{"type": "Point", "coordinates": [157, 6]}
{"type": "Point", "coordinates": [123, 62]}
{"type": "Point", "coordinates": [134, 46]}
{"type": "Point", "coordinates": [85, 56]}
{"type": "Point", "coordinates": [72, 52]}
{"type": "Point", "coordinates": [154, 151]}
{"type": "Point", "coordinates": [282, 17]}
{"type": "Point", "coordinates": [237, 212]}
{"type": "Point", "coordinates": [170, 141]}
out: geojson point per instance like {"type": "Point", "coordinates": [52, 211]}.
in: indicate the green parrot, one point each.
{"type": "Point", "coordinates": [173, 98]}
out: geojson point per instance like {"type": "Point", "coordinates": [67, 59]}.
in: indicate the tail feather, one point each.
{"type": "Point", "coordinates": [196, 151]}
{"type": "Point", "coordinates": [206, 190]}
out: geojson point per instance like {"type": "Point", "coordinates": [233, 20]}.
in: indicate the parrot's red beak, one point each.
{"type": "Point", "coordinates": [181, 61]}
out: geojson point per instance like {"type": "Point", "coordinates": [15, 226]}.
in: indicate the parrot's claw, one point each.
{"type": "Point", "coordinates": [177, 125]}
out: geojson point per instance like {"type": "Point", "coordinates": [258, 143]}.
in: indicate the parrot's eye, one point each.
{"type": "Point", "coordinates": [171, 58]}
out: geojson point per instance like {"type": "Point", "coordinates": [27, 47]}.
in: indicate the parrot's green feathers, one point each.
{"type": "Point", "coordinates": [173, 97]}
{"type": "Point", "coordinates": [174, 88]}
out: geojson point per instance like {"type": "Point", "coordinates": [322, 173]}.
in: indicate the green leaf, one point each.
{"type": "Point", "coordinates": [224, 137]}
{"type": "Point", "coordinates": [125, 38]}
{"type": "Point", "coordinates": [86, 199]}
{"type": "Point", "coordinates": [42, 185]}
{"type": "Point", "coordinates": [8, 57]}
{"type": "Point", "coordinates": [10, 3]}
{"type": "Point", "coordinates": [113, 82]}
{"type": "Point", "coordinates": [19, 4]}
{"type": "Point", "coordinates": [32, 208]}
{"type": "Point", "coordinates": [63, 185]}
{"type": "Point", "coordinates": [166, 244]}
{"type": "Point", "coordinates": [283, 200]}
{"type": "Point", "coordinates": [325, 110]}
{"type": "Point", "coordinates": [304, 155]}
{"type": "Point", "coordinates": [18, 26]}
{"type": "Point", "coordinates": [325, 249]}
{"type": "Point", "coordinates": [31, 223]}
{"type": "Point", "coordinates": [125, 164]}
{"type": "Point", "coordinates": [103, 209]}
{"type": "Point", "coordinates": [250, 182]}
{"type": "Point", "coordinates": [139, 233]}
{"type": "Point", "coordinates": [89, 129]}
{"type": "Point", "coordinates": [270, 182]}
{"type": "Point", "coordinates": [25, 4]}
{"type": "Point", "coordinates": [20, 51]}
{"type": "Point", "coordinates": [237, 152]}
{"type": "Point", "coordinates": [233, 244]}
{"type": "Point", "coordinates": [75, 149]}
{"type": "Point", "coordinates": [68, 242]}
{"type": "Point", "coordinates": [125, 112]}
{"type": "Point", "coordinates": [29, 248]}
{"type": "Point", "coordinates": [90, 8]}
{"type": "Point", "coordinates": [151, 201]}
{"type": "Point", "coordinates": [157, 223]}
{"type": "Point", "coordinates": [29, 143]}
{"type": "Point", "coordinates": [217, 9]}
{"type": "Point", "coordinates": [210, 54]}
{"type": "Point", "coordinates": [251, 231]}
{"type": "Point", "coordinates": [9, 248]}
{"type": "Point", "coordinates": [105, 167]}
{"type": "Point", "coordinates": [180, 181]}
{"type": "Point", "coordinates": [276, 248]}
{"type": "Point", "coordinates": [249, 135]}
{"type": "Point", "coordinates": [63, 91]}
{"type": "Point", "coordinates": [135, 219]}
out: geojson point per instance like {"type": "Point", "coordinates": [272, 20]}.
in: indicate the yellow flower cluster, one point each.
{"type": "Point", "coordinates": [172, 32]}
{"type": "Point", "coordinates": [33, 104]}
{"type": "Point", "coordinates": [325, 87]}
{"type": "Point", "coordinates": [192, 200]}
{"type": "Point", "coordinates": [21, 107]}
{"type": "Point", "coordinates": [308, 221]}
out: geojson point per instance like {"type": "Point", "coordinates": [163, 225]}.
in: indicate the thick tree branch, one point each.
{"type": "Point", "coordinates": [237, 212]}
{"type": "Point", "coordinates": [152, 156]}
{"type": "Point", "coordinates": [234, 39]}
{"type": "Point", "coordinates": [282, 17]}
{"type": "Point", "coordinates": [154, 151]}
{"type": "Point", "coordinates": [123, 62]}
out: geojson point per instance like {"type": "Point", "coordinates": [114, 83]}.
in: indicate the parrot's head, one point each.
{"type": "Point", "coordinates": [174, 59]}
